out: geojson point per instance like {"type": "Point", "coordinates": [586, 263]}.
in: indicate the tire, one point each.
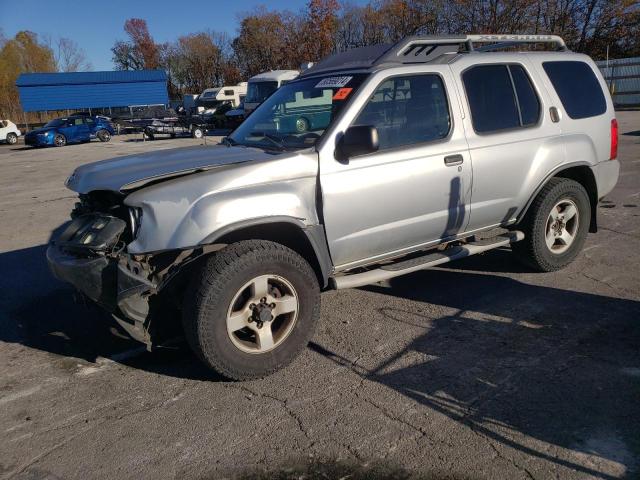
{"type": "Point", "coordinates": [553, 236]}
{"type": "Point", "coordinates": [12, 138]}
{"type": "Point", "coordinates": [103, 135]}
{"type": "Point", "coordinates": [148, 133]}
{"type": "Point", "coordinates": [197, 132]}
{"type": "Point", "coordinates": [59, 140]}
{"type": "Point", "coordinates": [229, 282]}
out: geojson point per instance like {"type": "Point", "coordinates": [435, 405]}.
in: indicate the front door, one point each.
{"type": "Point", "coordinates": [76, 130]}
{"type": "Point", "coordinates": [415, 189]}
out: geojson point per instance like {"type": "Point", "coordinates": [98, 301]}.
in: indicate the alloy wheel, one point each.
{"type": "Point", "coordinates": [262, 314]}
{"type": "Point", "coordinates": [562, 226]}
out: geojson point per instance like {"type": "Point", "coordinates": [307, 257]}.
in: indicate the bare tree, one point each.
{"type": "Point", "coordinates": [70, 57]}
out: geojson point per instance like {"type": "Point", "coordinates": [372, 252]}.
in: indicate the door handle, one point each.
{"type": "Point", "coordinates": [452, 160]}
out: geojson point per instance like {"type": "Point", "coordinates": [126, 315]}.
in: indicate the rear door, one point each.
{"type": "Point", "coordinates": [415, 189]}
{"type": "Point", "coordinates": [513, 141]}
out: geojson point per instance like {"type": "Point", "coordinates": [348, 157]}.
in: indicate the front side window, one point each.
{"type": "Point", "coordinates": [577, 87]}
{"type": "Point", "coordinates": [501, 97]}
{"type": "Point", "coordinates": [408, 110]}
{"type": "Point", "coordinates": [298, 113]}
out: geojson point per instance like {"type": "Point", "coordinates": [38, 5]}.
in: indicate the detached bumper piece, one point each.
{"type": "Point", "coordinates": [80, 256]}
{"type": "Point", "coordinates": [87, 255]}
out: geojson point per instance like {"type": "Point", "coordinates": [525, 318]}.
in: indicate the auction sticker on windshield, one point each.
{"type": "Point", "coordinates": [333, 82]}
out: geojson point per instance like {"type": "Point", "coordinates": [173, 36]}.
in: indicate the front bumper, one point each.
{"type": "Point", "coordinates": [38, 140]}
{"type": "Point", "coordinates": [96, 277]}
{"type": "Point", "coordinates": [88, 255]}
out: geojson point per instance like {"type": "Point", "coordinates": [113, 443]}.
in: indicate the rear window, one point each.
{"type": "Point", "coordinates": [577, 87]}
{"type": "Point", "coordinates": [501, 97]}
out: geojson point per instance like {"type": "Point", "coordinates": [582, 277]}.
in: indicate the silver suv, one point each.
{"type": "Point", "coordinates": [376, 162]}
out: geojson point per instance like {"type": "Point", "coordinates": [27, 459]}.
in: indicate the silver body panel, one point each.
{"type": "Point", "coordinates": [374, 207]}
{"type": "Point", "coordinates": [186, 212]}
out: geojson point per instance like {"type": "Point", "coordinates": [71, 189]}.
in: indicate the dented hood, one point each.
{"type": "Point", "coordinates": [134, 171]}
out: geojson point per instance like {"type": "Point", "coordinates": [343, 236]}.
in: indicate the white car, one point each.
{"type": "Point", "coordinates": [9, 132]}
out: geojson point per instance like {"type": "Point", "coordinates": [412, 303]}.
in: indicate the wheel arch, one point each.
{"type": "Point", "coordinates": [309, 241]}
{"type": "Point", "coordinates": [580, 172]}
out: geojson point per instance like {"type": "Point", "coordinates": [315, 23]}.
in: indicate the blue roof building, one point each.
{"type": "Point", "coordinates": [85, 90]}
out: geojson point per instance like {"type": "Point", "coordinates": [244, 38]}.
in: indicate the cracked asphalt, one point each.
{"type": "Point", "coordinates": [480, 370]}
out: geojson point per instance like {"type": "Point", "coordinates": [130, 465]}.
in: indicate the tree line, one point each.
{"type": "Point", "coordinates": [268, 39]}
{"type": "Point", "coordinates": [282, 39]}
{"type": "Point", "coordinates": [27, 52]}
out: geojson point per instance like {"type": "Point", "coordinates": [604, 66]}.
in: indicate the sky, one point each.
{"type": "Point", "coordinates": [95, 26]}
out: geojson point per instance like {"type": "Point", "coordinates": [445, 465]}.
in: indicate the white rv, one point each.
{"type": "Point", "coordinates": [264, 84]}
{"type": "Point", "coordinates": [211, 98]}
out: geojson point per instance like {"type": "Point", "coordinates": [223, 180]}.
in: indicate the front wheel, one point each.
{"type": "Point", "coordinates": [59, 140]}
{"type": "Point", "coordinates": [197, 132]}
{"type": "Point", "coordinates": [555, 227]}
{"type": "Point", "coordinates": [103, 135]}
{"type": "Point", "coordinates": [12, 138]}
{"type": "Point", "coordinates": [251, 309]}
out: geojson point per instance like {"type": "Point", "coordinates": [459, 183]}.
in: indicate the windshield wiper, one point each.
{"type": "Point", "coordinates": [275, 140]}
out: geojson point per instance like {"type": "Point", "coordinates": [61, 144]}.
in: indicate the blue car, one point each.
{"type": "Point", "coordinates": [73, 129]}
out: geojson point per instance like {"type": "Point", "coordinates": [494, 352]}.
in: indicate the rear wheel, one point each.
{"type": "Point", "coordinates": [556, 226]}
{"type": "Point", "coordinates": [59, 140]}
{"type": "Point", "coordinates": [251, 309]}
{"type": "Point", "coordinates": [103, 135]}
{"type": "Point", "coordinates": [12, 138]}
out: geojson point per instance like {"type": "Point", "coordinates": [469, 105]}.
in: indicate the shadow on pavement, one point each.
{"type": "Point", "coordinates": [323, 470]}
{"type": "Point", "coordinates": [512, 359]}
{"type": "Point", "coordinates": [507, 359]}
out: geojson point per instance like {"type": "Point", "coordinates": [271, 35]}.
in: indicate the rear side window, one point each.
{"type": "Point", "coordinates": [501, 97]}
{"type": "Point", "coordinates": [408, 110]}
{"type": "Point", "coordinates": [525, 95]}
{"type": "Point", "coordinates": [577, 87]}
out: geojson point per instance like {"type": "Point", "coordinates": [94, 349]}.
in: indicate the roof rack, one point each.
{"type": "Point", "coordinates": [423, 49]}
{"type": "Point", "coordinates": [410, 49]}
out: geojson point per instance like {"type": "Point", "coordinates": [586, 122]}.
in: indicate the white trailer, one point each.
{"type": "Point", "coordinates": [211, 98]}
{"type": "Point", "coordinates": [264, 84]}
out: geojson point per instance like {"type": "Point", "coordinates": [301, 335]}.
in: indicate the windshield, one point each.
{"type": "Point", "coordinates": [297, 114]}
{"type": "Point", "coordinates": [258, 91]}
{"type": "Point", "coordinates": [56, 123]}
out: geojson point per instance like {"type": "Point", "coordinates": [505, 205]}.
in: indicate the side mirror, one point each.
{"type": "Point", "coordinates": [358, 140]}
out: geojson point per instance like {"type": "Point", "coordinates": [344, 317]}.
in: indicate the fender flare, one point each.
{"type": "Point", "coordinates": [314, 234]}
{"type": "Point", "coordinates": [551, 174]}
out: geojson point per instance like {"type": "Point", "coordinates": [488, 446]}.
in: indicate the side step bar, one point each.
{"type": "Point", "coordinates": [426, 261]}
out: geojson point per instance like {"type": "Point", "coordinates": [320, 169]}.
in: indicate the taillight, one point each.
{"type": "Point", "coordinates": [614, 139]}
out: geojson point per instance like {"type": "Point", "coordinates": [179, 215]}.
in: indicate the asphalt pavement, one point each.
{"type": "Point", "coordinates": [480, 370]}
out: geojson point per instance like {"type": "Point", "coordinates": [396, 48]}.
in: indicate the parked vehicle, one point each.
{"type": "Point", "coordinates": [212, 99]}
{"type": "Point", "coordinates": [419, 153]}
{"type": "Point", "coordinates": [264, 84]}
{"type": "Point", "coordinates": [73, 129]}
{"type": "Point", "coordinates": [9, 132]}
{"type": "Point", "coordinates": [235, 117]}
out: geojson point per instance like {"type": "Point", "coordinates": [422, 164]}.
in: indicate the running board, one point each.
{"type": "Point", "coordinates": [426, 261]}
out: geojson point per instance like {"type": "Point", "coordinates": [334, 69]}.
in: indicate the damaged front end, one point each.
{"type": "Point", "coordinates": [91, 255]}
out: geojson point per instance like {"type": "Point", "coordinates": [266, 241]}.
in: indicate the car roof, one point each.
{"type": "Point", "coordinates": [425, 49]}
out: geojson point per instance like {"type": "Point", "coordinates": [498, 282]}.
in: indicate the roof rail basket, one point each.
{"type": "Point", "coordinates": [422, 49]}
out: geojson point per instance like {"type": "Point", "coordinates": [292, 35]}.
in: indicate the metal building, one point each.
{"type": "Point", "coordinates": [92, 90]}
{"type": "Point", "coordinates": [623, 78]}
